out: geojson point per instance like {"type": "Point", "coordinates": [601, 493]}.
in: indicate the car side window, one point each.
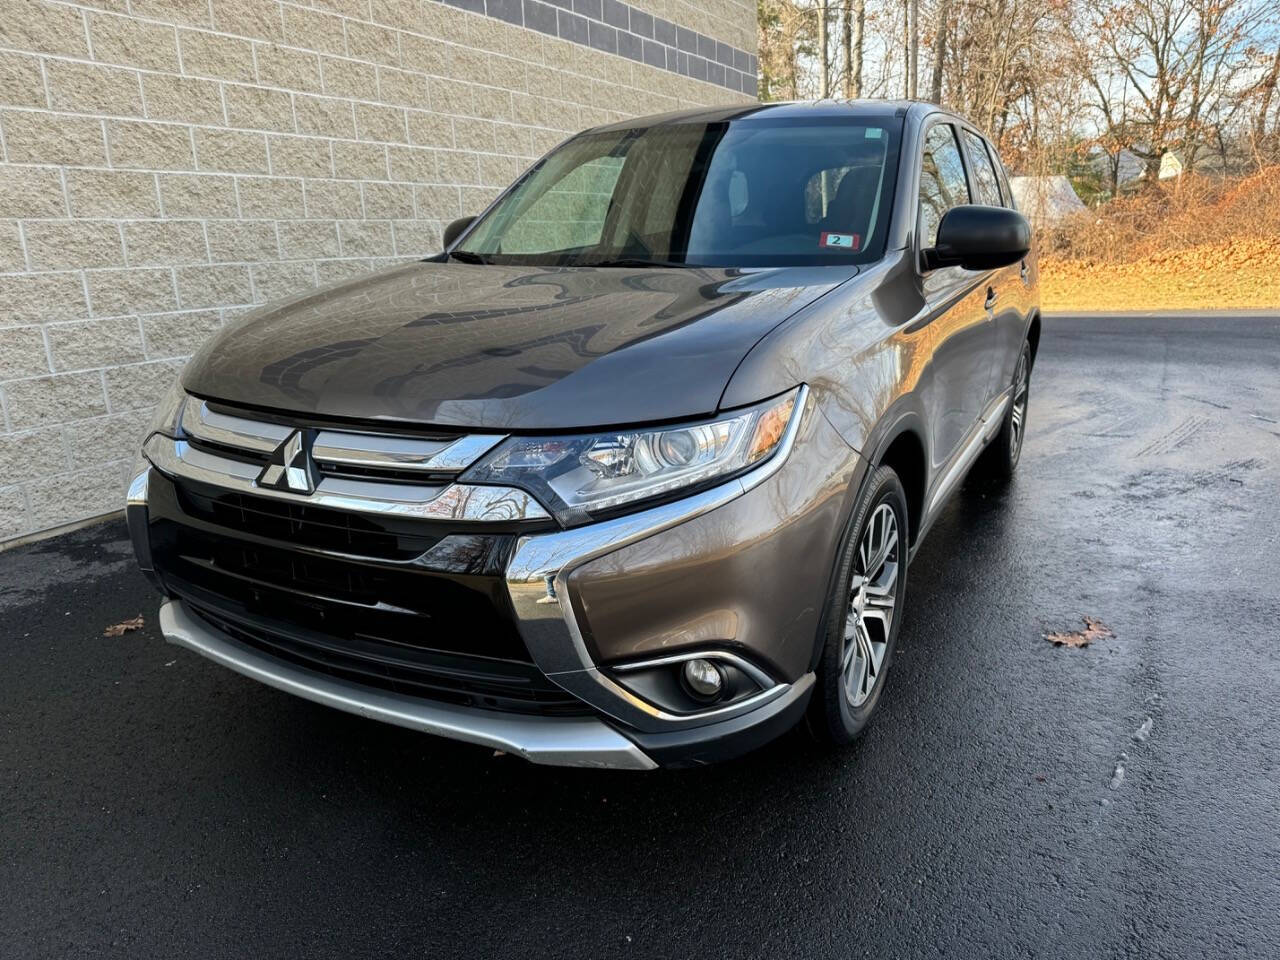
{"type": "Point", "coordinates": [1004, 182]}
{"type": "Point", "coordinates": [984, 174]}
{"type": "Point", "coordinates": [942, 180]}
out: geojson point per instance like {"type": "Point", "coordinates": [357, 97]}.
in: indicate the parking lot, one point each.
{"type": "Point", "coordinates": [1013, 798]}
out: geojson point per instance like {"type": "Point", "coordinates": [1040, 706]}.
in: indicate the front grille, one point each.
{"type": "Point", "coordinates": [385, 474]}
{"type": "Point", "coordinates": [305, 525]}
{"type": "Point", "coordinates": [416, 457]}
{"type": "Point", "coordinates": [508, 687]}
{"type": "Point", "coordinates": [387, 602]}
{"type": "Point", "coordinates": [398, 605]}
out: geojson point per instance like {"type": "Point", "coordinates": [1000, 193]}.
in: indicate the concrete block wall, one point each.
{"type": "Point", "coordinates": [167, 164]}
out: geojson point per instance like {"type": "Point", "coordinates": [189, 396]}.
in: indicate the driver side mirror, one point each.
{"type": "Point", "coordinates": [454, 230]}
{"type": "Point", "coordinates": [979, 238]}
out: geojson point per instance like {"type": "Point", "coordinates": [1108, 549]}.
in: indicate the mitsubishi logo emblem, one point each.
{"type": "Point", "coordinates": [289, 467]}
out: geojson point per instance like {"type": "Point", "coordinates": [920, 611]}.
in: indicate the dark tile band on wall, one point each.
{"type": "Point", "coordinates": [619, 28]}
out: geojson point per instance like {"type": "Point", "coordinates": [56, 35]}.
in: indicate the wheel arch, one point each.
{"type": "Point", "coordinates": [904, 452]}
{"type": "Point", "coordinates": [1033, 335]}
{"type": "Point", "coordinates": [900, 439]}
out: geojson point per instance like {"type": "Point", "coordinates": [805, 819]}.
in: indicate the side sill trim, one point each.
{"type": "Point", "coordinates": [558, 741]}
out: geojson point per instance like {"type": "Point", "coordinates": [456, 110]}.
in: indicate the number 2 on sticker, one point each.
{"type": "Point", "coordinates": [845, 241]}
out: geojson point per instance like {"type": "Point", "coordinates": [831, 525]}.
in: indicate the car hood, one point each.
{"type": "Point", "coordinates": [506, 348]}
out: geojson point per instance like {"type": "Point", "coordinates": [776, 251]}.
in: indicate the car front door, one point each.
{"type": "Point", "coordinates": [1005, 288]}
{"type": "Point", "coordinates": [960, 330]}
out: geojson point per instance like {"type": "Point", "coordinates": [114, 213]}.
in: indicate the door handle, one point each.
{"type": "Point", "coordinates": [992, 297]}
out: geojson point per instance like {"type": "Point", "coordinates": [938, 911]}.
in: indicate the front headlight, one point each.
{"type": "Point", "coordinates": [584, 476]}
{"type": "Point", "coordinates": [168, 413]}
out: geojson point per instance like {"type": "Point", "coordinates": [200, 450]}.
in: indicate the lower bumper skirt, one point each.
{"type": "Point", "coordinates": [560, 741]}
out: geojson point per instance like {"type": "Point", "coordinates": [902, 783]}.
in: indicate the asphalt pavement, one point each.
{"type": "Point", "coordinates": [1012, 798]}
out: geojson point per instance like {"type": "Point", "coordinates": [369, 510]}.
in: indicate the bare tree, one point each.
{"type": "Point", "coordinates": [1266, 93]}
{"type": "Point", "coordinates": [824, 52]}
{"type": "Point", "coordinates": [939, 50]}
{"type": "Point", "coordinates": [853, 27]}
{"type": "Point", "coordinates": [913, 48]}
{"type": "Point", "coordinates": [786, 41]}
{"type": "Point", "coordinates": [906, 48]}
{"type": "Point", "coordinates": [1063, 86]}
{"type": "Point", "coordinates": [1180, 61]}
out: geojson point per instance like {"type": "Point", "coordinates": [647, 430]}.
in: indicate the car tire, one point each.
{"type": "Point", "coordinates": [998, 462]}
{"type": "Point", "coordinates": [859, 639]}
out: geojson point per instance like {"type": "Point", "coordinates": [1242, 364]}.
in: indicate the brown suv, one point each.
{"type": "Point", "coordinates": [632, 473]}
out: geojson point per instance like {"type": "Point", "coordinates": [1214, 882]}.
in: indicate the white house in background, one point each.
{"type": "Point", "coordinates": [1045, 200]}
{"type": "Point", "coordinates": [1170, 166]}
{"type": "Point", "coordinates": [1174, 164]}
{"type": "Point", "coordinates": [1131, 168]}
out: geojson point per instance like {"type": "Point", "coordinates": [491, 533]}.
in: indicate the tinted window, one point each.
{"type": "Point", "coordinates": [570, 213]}
{"type": "Point", "coordinates": [842, 201]}
{"type": "Point", "coordinates": [942, 182]}
{"type": "Point", "coordinates": [738, 193]}
{"type": "Point", "coordinates": [984, 174]}
{"type": "Point", "coordinates": [1004, 182]}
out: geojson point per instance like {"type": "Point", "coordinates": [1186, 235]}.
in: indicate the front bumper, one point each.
{"type": "Point", "coordinates": [740, 569]}
{"type": "Point", "coordinates": [561, 741]}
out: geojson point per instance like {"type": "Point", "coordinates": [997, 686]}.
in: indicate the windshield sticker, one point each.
{"type": "Point", "coordinates": [845, 241]}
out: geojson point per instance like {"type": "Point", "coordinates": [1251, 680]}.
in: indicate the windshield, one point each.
{"type": "Point", "coordinates": [729, 194]}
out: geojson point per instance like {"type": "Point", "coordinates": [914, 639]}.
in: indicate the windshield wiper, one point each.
{"type": "Point", "coordinates": [633, 262]}
{"type": "Point", "coordinates": [466, 256]}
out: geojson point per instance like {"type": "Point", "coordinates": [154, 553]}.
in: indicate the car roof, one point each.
{"type": "Point", "coordinates": [794, 109]}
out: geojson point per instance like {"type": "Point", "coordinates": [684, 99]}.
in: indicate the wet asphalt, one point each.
{"type": "Point", "coordinates": [1004, 803]}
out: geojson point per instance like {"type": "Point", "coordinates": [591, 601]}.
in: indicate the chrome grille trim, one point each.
{"type": "Point", "coordinates": [378, 451]}
{"type": "Point", "coordinates": [201, 423]}
{"type": "Point", "coordinates": [463, 452]}
{"type": "Point", "coordinates": [339, 448]}
{"type": "Point", "coordinates": [454, 502]}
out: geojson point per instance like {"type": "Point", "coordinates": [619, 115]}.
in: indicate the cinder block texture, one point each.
{"type": "Point", "coordinates": [167, 164]}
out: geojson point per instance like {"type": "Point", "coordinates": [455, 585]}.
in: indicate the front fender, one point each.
{"type": "Point", "coordinates": [853, 350]}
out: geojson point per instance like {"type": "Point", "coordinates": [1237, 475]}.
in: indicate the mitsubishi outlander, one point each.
{"type": "Point", "coordinates": [631, 474]}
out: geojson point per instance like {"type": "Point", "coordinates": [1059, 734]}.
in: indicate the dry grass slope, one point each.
{"type": "Point", "coordinates": [1201, 243]}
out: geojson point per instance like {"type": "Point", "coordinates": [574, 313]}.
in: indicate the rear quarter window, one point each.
{"type": "Point", "coordinates": [986, 185]}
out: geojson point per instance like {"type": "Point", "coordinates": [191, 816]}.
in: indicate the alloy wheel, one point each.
{"type": "Point", "coordinates": [873, 597]}
{"type": "Point", "coordinates": [1018, 415]}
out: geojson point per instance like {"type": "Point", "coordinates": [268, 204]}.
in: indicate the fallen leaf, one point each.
{"type": "Point", "coordinates": [1094, 629]}
{"type": "Point", "coordinates": [1117, 775]}
{"type": "Point", "coordinates": [120, 629]}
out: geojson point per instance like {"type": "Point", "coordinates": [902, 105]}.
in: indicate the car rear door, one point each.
{"type": "Point", "coordinates": [1004, 288]}
{"type": "Point", "coordinates": [960, 331]}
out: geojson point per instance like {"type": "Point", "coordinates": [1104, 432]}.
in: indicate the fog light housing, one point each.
{"type": "Point", "coordinates": [702, 678]}
{"type": "Point", "coordinates": [693, 683]}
